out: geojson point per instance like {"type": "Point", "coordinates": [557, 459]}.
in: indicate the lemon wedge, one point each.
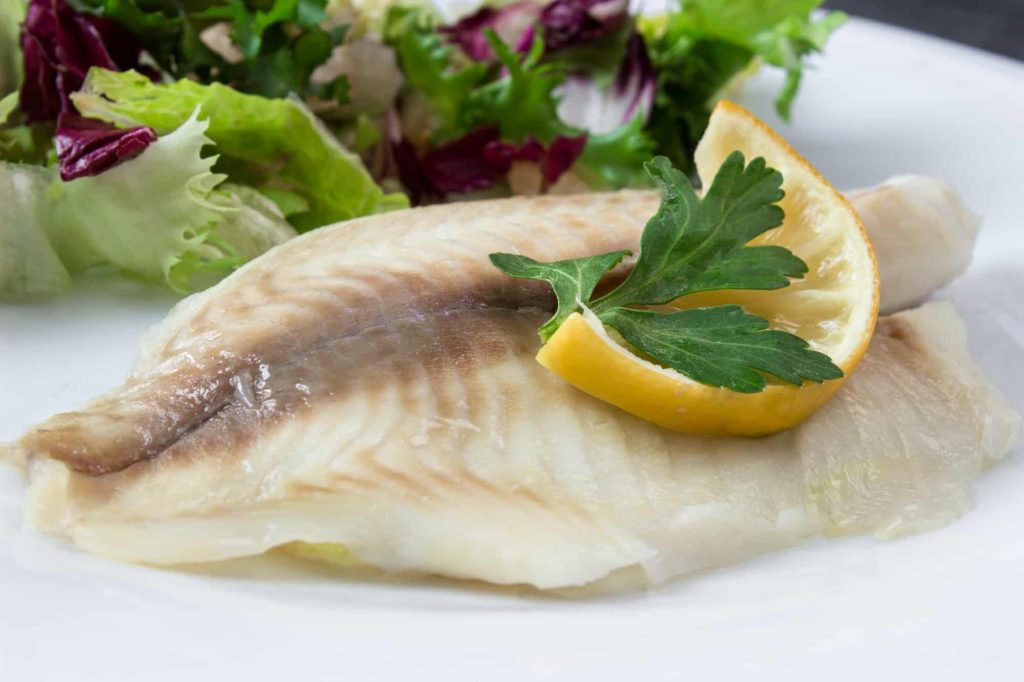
{"type": "Point", "coordinates": [833, 307]}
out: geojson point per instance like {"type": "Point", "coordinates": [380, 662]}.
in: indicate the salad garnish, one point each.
{"type": "Point", "coordinates": [326, 110]}
{"type": "Point", "coordinates": [694, 244]}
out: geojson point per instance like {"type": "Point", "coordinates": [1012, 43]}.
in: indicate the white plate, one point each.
{"type": "Point", "coordinates": [940, 606]}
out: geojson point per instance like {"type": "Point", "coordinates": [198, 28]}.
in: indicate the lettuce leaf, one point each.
{"type": "Point", "coordinates": [277, 43]}
{"type": "Point", "coordinates": [28, 262]}
{"type": "Point", "coordinates": [429, 68]}
{"type": "Point", "coordinates": [144, 215]}
{"type": "Point", "coordinates": [163, 217]}
{"type": "Point", "coordinates": [11, 14]}
{"type": "Point", "coordinates": [22, 142]}
{"type": "Point", "coordinates": [264, 143]}
{"type": "Point", "coordinates": [701, 46]}
{"type": "Point", "coordinates": [616, 159]}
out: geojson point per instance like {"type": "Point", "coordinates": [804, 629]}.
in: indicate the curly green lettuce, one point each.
{"type": "Point", "coordinates": [701, 46]}
{"type": "Point", "coordinates": [274, 145]}
{"type": "Point", "coordinates": [163, 217]}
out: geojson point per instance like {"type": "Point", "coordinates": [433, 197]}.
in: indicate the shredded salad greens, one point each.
{"type": "Point", "coordinates": [174, 140]}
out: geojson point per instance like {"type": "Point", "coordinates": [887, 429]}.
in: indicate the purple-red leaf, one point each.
{"type": "Point", "coordinates": [561, 155]}
{"type": "Point", "coordinates": [59, 46]}
{"type": "Point", "coordinates": [568, 23]}
{"type": "Point", "coordinates": [636, 82]}
{"type": "Point", "coordinates": [407, 163]}
{"type": "Point", "coordinates": [565, 23]}
{"type": "Point", "coordinates": [479, 159]}
{"type": "Point", "coordinates": [500, 155]}
{"type": "Point", "coordinates": [460, 165]}
{"type": "Point", "coordinates": [513, 24]}
{"type": "Point", "coordinates": [89, 147]}
{"type": "Point", "coordinates": [598, 110]}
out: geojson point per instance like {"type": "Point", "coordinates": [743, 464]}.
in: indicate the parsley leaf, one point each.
{"type": "Point", "coordinates": [695, 244]}
{"type": "Point", "coordinates": [691, 243]}
{"type": "Point", "coordinates": [721, 346]}
{"type": "Point", "coordinates": [572, 280]}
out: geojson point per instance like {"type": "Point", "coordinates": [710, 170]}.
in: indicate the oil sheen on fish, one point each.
{"type": "Point", "coordinates": [373, 385]}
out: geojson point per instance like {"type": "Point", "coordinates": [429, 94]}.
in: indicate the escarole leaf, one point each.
{"type": "Point", "coordinates": [267, 144]}
{"type": "Point", "coordinates": [695, 244]}
{"type": "Point", "coordinates": [573, 281]}
{"type": "Point", "coordinates": [22, 142]}
{"type": "Point", "coordinates": [163, 217]}
{"type": "Point", "coordinates": [28, 262]}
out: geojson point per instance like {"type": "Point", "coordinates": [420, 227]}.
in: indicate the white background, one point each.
{"type": "Point", "coordinates": [945, 605]}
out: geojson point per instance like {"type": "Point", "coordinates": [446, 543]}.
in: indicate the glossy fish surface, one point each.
{"type": "Point", "coordinates": [373, 385]}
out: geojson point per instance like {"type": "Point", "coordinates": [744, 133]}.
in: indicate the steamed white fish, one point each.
{"type": "Point", "coordinates": [372, 385]}
{"type": "Point", "coordinates": [922, 233]}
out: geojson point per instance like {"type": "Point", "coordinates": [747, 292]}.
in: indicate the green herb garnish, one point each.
{"type": "Point", "coordinates": [279, 43]}
{"type": "Point", "coordinates": [695, 244]}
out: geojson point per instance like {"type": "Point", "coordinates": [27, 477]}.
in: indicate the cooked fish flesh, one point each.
{"type": "Point", "coordinates": [372, 385]}
{"type": "Point", "coordinates": [922, 233]}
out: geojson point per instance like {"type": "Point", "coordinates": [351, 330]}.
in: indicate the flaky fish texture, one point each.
{"type": "Point", "coordinates": [373, 385]}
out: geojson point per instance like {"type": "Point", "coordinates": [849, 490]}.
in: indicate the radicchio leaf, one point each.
{"type": "Point", "coordinates": [479, 159]}
{"type": "Point", "coordinates": [514, 24]}
{"type": "Point", "coordinates": [460, 165]}
{"type": "Point", "coordinates": [598, 110]}
{"type": "Point", "coordinates": [636, 82]}
{"type": "Point", "coordinates": [500, 155]}
{"type": "Point", "coordinates": [89, 147]}
{"type": "Point", "coordinates": [561, 155]}
{"type": "Point", "coordinates": [568, 23]}
{"type": "Point", "coordinates": [565, 23]}
{"type": "Point", "coordinates": [410, 171]}
{"type": "Point", "coordinates": [60, 45]}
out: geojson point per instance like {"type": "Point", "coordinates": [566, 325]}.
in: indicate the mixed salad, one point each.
{"type": "Point", "coordinates": [174, 140]}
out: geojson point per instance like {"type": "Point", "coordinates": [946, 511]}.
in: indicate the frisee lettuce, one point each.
{"type": "Point", "coordinates": [701, 46]}
{"type": "Point", "coordinates": [271, 144]}
{"type": "Point", "coordinates": [163, 217]}
{"type": "Point", "coordinates": [694, 244]}
{"type": "Point", "coordinates": [156, 217]}
{"type": "Point", "coordinates": [517, 93]}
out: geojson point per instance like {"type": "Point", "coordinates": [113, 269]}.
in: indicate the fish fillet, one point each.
{"type": "Point", "coordinates": [911, 218]}
{"type": "Point", "coordinates": [373, 385]}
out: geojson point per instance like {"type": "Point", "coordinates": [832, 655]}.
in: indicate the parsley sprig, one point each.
{"type": "Point", "coordinates": [694, 244]}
